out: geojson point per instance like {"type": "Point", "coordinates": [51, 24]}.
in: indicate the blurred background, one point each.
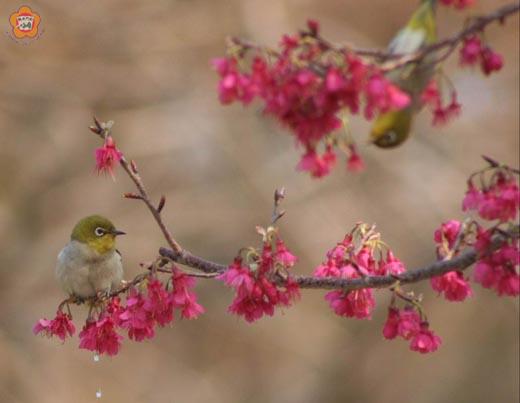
{"type": "Point", "coordinates": [146, 65]}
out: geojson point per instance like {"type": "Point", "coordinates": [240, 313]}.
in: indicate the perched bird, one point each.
{"type": "Point", "coordinates": [90, 265]}
{"type": "Point", "coordinates": [392, 128]}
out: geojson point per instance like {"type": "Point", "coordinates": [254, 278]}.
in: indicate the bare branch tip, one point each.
{"type": "Point", "coordinates": [161, 204]}
{"type": "Point", "coordinates": [279, 195]}
{"type": "Point", "coordinates": [130, 195]}
{"type": "Point", "coordinates": [490, 161]}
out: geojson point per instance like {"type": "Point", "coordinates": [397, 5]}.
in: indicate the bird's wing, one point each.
{"type": "Point", "coordinates": [407, 40]}
{"type": "Point", "coordinates": [420, 31]}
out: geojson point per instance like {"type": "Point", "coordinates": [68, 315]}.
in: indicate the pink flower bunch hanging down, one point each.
{"type": "Point", "coordinates": [142, 312]}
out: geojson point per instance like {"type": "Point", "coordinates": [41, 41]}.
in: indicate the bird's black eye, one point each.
{"type": "Point", "coordinates": [99, 231]}
{"type": "Point", "coordinates": [391, 136]}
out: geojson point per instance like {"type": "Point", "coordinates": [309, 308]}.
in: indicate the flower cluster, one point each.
{"type": "Point", "coordinates": [262, 281]}
{"type": "Point", "coordinates": [498, 199]}
{"type": "Point", "coordinates": [474, 52]}
{"type": "Point", "coordinates": [350, 259]}
{"type": "Point", "coordinates": [407, 324]}
{"type": "Point", "coordinates": [61, 326]}
{"type": "Point", "coordinates": [453, 284]}
{"type": "Point", "coordinates": [143, 311]}
{"type": "Point", "coordinates": [498, 270]}
{"type": "Point", "coordinates": [107, 157]}
{"type": "Point", "coordinates": [442, 113]}
{"type": "Point", "coordinates": [305, 87]}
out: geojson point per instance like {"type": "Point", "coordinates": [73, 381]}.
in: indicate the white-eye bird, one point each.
{"type": "Point", "coordinates": [89, 265]}
{"type": "Point", "coordinates": [392, 128]}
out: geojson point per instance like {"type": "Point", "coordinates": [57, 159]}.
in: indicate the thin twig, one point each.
{"type": "Point", "coordinates": [103, 130]}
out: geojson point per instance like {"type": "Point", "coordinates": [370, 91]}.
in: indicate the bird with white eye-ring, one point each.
{"type": "Point", "coordinates": [90, 265]}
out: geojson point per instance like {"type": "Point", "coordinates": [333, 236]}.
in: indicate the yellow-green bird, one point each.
{"type": "Point", "coordinates": [392, 128]}
{"type": "Point", "coordinates": [90, 265]}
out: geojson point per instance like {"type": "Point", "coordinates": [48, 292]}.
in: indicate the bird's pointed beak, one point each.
{"type": "Point", "coordinates": [117, 232]}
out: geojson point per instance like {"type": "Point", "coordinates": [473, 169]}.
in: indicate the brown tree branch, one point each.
{"type": "Point", "coordinates": [131, 170]}
{"type": "Point", "coordinates": [210, 269]}
{"type": "Point", "coordinates": [460, 262]}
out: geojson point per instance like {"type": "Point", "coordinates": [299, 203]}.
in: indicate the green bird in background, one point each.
{"type": "Point", "coordinates": [393, 128]}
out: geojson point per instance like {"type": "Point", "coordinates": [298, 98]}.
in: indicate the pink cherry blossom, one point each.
{"type": "Point", "coordinates": [305, 100]}
{"type": "Point", "coordinates": [233, 85]}
{"type": "Point", "coordinates": [182, 297]}
{"type": "Point", "coordinates": [328, 269]}
{"type": "Point", "coordinates": [430, 95]}
{"type": "Point", "coordinates": [442, 114]}
{"type": "Point", "coordinates": [392, 321]}
{"type": "Point", "coordinates": [136, 319]}
{"type": "Point", "coordinates": [107, 157]}
{"type": "Point", "coordinates": [425, 340]}
{"type": "Point", "coordinates": [470, 52]}
{"type": "Point", "coordinates": [472, 199]}
{"type": "Point", "coordinates": [313, 26]}
{"type": "Point", "coordinates": [491, 61]}
{"type": "Point", "coordinates": [158, 303]}
{"type": "Point", "coordinates": [499, 270]}
{"type": "Point", "coordinates": [283, 255]}
{"type": "Point", "coordinates": [353, 304]}
{"type": "Point", "coordinates": [365, 261]}
{"type": "Point", "coordinates": [483, 240]}
{"type": "Point", "coordinates": [355, 162]}
{"type": "Point", "coordinates": [100, 336]}
{"type": "Point", "coordinates": [453, 284]}
{"type": "Point", "coordinates": [391, 265]}
{"type": "Point", "coordinates": [498, 201]}
{"type": "Point", "coordinates": [238, 276]}
{"type": "Point", "coordinates": [256, 294]}
{"type": "Point", "coordinates": [448, 231]}
{"type": "Point", "coordinates": [382, 96]}
{"type": "Point", "coordinates": [61, 326]}
{"type": "Point", "coordinates": [501, 201]}
{"type": "Point", "coordinates": [446, 236]}
{"type": "Point", "coordinates": [409, 323]}
{"type": "Point", "coordinates": [317, 165]}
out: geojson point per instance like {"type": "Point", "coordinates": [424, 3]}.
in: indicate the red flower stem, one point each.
{"type": "Point", "coordinates": [460, 262]}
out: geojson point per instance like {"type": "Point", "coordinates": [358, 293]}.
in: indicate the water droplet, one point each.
{"type": "Point", "coordinates": [96, 357]}
{"type": "Point", "coordinates": [98, 394]}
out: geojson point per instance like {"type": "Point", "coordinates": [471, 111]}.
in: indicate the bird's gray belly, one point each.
{"type": "Point", "coordinates": [86, 277]}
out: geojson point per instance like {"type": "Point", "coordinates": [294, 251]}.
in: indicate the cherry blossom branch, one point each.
{"type": "Point", "coordinates": [460, 262]}
{"type": "Point", "coordinates": [103, 130]}
{"type": "Point", "coordinates": [477, 25]}
{"type": "Point", "coordinates": [210, 269]}
{"type": "Point", "coordinates": [398, 60]}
